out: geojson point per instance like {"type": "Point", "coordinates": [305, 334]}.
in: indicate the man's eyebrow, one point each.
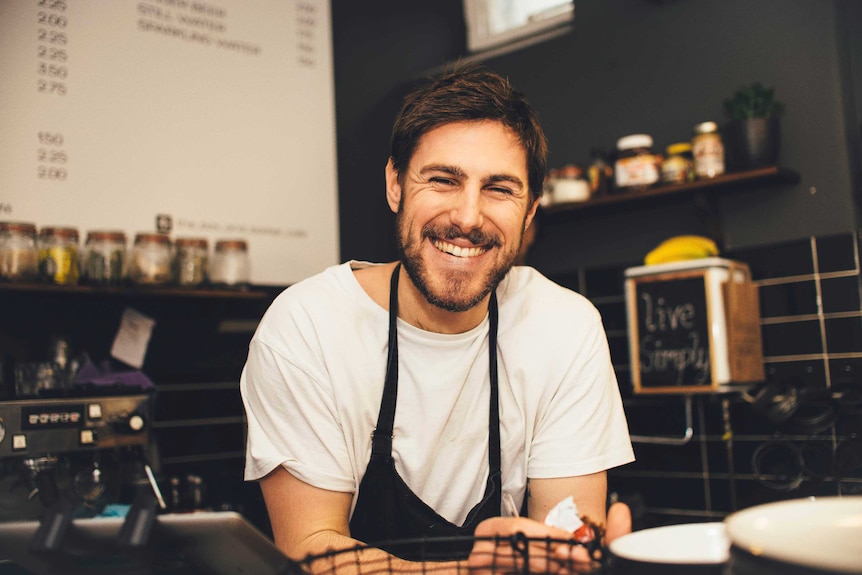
{"type": "Point", "coordinates": [446, 169]}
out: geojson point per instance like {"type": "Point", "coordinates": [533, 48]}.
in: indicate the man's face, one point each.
{"type": "Point", "coordinates": [462, 206]}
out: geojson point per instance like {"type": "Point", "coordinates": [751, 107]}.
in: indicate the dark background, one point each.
{"type": "Point", "coordinates": [629, 66]}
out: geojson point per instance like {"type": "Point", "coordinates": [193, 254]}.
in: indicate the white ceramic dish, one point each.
{"type": "Point", "coordinates": [690, 543]}
{"type": "Point", "coordinates": [822, 533]}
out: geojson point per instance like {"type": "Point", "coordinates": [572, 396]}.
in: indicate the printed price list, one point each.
{"type": "Point", "coordinates": [306, 24]}
{"type": "Point", "coordinates": [52, 74]}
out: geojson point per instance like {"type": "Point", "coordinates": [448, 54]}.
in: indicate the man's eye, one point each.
{"type": "Point", "coordinates": [444, 181]}
{"type": "Point", "coordinates": [499, 190]}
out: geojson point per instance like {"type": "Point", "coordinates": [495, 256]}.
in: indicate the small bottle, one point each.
{"type": "Point", "coordinates": [600, 174]}
{"type": "Point", "coordinates": [104, 258]}
{"type": "Point", "coordinates": [708, 150]}
{"type": "Point", "coordinates": [678, 167]}
{"type": "Point", "coordinates": [19, 258]}
{"type": "Point", "coordinates": [636, 168]}
{"type": "Point", "coordinates": [150, 261]}
{"type": "Point", "coordinates": [230, 266]}
{"type": "Point", "coordinates": [190, 261]}
{"type": "Point", "coordinates": [58, 255]}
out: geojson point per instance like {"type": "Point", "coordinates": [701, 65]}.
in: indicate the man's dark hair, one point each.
{"type": "Point", "coordinates": [469, 94]}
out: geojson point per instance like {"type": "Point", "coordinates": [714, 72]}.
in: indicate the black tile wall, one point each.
{"type": "Point", "coordinates": [741, 453]}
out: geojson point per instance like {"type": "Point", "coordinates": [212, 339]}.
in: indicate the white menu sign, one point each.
{"type": "Point", "coordinates": [209, 118]}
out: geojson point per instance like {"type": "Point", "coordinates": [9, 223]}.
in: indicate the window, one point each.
{"type": "Point", "coordinates": [504, 25]}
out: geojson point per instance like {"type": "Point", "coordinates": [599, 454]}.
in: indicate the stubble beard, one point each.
{"type": "Point", "coordinates": [454, 294]}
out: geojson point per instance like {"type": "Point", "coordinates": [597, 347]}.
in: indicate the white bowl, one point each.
{"type": "Point", "coordinates": [821, 533]}
{"type": "Point", "coordinates": [690, 543]}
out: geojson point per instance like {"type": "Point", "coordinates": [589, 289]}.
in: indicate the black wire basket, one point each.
{"type": "Point", "coordinates": [516, 554]}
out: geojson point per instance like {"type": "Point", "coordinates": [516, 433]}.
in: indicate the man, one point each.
{"type": "Point", "coordinates": [408, 400]}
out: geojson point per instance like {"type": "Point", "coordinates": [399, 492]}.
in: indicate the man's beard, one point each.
{"type": "Point", "coordinates": [452, 296]}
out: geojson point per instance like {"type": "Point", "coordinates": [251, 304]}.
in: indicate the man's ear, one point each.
{"type": "Point", "coordinates": [531, 213]}
{"type": "Point", "coordinates": [393, 188]}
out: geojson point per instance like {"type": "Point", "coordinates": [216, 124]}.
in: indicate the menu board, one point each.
{"type": "Point", "coordinates": [670, 333]}
{"type": "Point", "coordinates": [209, 119]}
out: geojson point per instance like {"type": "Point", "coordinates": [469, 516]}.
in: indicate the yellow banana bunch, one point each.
{"type": "Point", "coordinates": [678, 248]}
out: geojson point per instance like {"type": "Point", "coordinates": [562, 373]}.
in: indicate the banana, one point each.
{"type": "Point", "coordinates": [678, 248]}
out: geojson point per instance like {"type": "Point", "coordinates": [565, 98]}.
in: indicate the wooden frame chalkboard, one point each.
{"type": "Point", "coordinates": [671, 343]}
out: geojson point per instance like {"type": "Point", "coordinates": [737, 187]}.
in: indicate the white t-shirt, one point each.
{"type": "Point", "coordinates": [313, 382]}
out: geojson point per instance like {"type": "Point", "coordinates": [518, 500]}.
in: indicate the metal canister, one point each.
{"type": "Point", "coordinates": [230, 264]}
{"type": "Point", "coordinates": [708, 150]}
{"type": "Point", "coordinates": [58, 255]}
{"type": "Point", "coordinates": [150, 261]}
{"type": "Point", "coordinates": [19, 258]}
{"type": "Point", "coordinates": [104, 258]}
{"type": "Point", "coordinates": [190, 261]}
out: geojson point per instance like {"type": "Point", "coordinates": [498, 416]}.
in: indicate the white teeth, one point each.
{"type": "Point", "coordinates": [458, 251]}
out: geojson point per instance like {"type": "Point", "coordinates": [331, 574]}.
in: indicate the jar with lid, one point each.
{"type": "Point", "coordinates": [150, 261]}
{"type": "Point", "coordinates": [678, 166]}
{"type": "Point", "coordinates": [637, 167]}
{"type": "Point", "coordinates": [19, 258]}
{"type": "Point", "coordinates": [230, 265]}
{"type": "Point", "coordinates": [568, 184]}
{"type": "Point", "coordinates": [58, 255]}
{"type": "Point", "coordinates": [104, 258]}
{"type": "Point", "coordinates": [708, 150]}
{"type": "Point", "coordinates": [190, 261]}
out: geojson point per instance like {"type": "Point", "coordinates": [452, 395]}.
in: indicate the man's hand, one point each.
{"type": "Point", "coordinates": [560, 558]}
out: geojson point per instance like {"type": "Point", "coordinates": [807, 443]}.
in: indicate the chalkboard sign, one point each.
{"type": "Point", "coordinates": [670, 335]}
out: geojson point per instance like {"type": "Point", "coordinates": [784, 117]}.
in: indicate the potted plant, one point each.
{"type": "Point", "coordinates": [753, 135]}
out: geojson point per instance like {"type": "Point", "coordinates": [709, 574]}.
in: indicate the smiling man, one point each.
{"type": "Point", "coordinates": [407, 400]}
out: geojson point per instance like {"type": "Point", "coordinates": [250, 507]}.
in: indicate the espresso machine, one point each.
{"type": "Point", "coordinates": [78, 454]}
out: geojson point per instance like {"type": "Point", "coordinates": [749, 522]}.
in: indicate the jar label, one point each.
{"type": "Point", "coordinates": [640, 170]}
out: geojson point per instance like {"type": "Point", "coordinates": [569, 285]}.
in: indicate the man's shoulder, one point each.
{"type": "Point", "coordinates": [527, 286]}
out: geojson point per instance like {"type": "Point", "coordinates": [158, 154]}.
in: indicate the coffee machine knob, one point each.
{"type": "Point", "coordinates": [134, 423]}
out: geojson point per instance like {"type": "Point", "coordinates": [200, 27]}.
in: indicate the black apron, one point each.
{"type": "Point", "coordinates": [388, 515]}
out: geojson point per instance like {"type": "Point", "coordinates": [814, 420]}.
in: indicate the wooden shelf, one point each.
{"type": "Point", "coordinates": [758, 177]}
{"type": "Point", "coordinates": [156, 292]}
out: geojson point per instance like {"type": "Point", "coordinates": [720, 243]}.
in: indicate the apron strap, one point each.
{"type": "Point", "coordinates": [381, 444]}
{"type": "Point", "coordinates": [494, 462]}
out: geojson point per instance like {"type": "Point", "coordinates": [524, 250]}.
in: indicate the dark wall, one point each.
{"type": "Point", "coordinates": [629, 66]}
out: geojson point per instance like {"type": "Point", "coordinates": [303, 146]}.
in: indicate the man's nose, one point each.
{"type": "Point", "coordinates": [466, 213]}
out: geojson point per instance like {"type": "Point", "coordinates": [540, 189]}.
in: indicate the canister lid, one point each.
{"type": "Point", "coordinates": [705, 128]}
{"type": "Point", "coordinates": [23, 228]}
{"type": "Point", "coordinates": [634, 141]}
{"type": "Point", "coordinates": [153, 238]}
{"type": "Point", "coordinates": [679, 148]}
{"type": "Point", "coordinates": [231, 245]}
{"type": "Point", "coordinates": [191, 242]}
{"type": "Point", "coordinates": [106, 235]}
{"type": "Point", "coordinates": [66, 233]}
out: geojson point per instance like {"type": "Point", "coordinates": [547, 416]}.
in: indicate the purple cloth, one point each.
{"type": "Point", "coordinates": [90, 374]}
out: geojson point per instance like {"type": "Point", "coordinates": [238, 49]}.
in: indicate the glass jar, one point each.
{"type": "Point", "coordinates": [58, 255]}
{"type": "Point", "coordinates": [636, 168]}
{"type": "Point", "coordinates": [568, 184]}
{"type": "Point", "coordinates": [230, 264]}
{"type": "Point", "coordinates": [104, 258]}
{"type": "Point", "coordinates": [678, 167]}
{"type": "Point", "coordinates": [190, 261]}
{"type": "Point", "coordinates": [708, 150]}
{"type": "Point", "coordinates": [150, 261]}
{"type": "Point", "coordinates": [19, 258]}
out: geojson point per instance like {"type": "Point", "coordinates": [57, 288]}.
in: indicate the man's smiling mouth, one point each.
{"type": "Point", "coordinates": [458, 251]}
